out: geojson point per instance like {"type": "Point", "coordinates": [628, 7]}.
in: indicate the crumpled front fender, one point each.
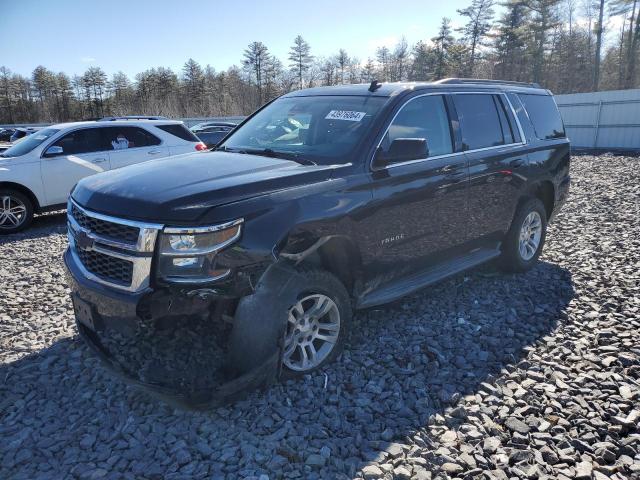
{"type": "Point", "coordinates": [261, 319]}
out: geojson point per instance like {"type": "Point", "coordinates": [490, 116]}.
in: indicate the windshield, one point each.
{"type": "Point", "coordinates": [29, 143]}
{"type": "Point", "coordinates": [322, 129]}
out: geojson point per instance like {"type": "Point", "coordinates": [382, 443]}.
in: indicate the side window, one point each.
{"type": "Point", "coordinates": [507, 134]}
{"type": "Point", "coordinates": [180, 131]}
{"type": "Point", "coordinates": [122, 138]}
{"type": "Point", "coordinates": [479, 121]}
{"type": "Point", "coordinates": [424, 117]}
{"type": "Point", "coordinates": [544, 116]}
{"type": "Point", "coordinates": [513, 123]}
{"type": "Point", "coordinates": [85, 140]}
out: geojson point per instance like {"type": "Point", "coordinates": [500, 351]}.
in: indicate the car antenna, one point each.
{"type": "Point", "coordinates": [375, 85]}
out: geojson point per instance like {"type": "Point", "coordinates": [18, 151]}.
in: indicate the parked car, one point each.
{"type": "Point", "coordinates": [38, 172]}
{"type": "Point", "coordinates": [5, 134]}
{"type": "Point", "coordinates": [211, 133]}
{"type": "Point", "coordinates": [324, 201]}
{"type": "Point", "coordinates": [22, 132]}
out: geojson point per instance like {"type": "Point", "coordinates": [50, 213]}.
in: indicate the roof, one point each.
{"type": "Point", "coordinates": [395, 88]}
{"type": "Point", "coordinates": [113, 123]}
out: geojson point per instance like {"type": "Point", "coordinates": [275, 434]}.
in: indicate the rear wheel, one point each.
{"type": "Point", "coordinates": [524, 242]}
{"type": "Point", "coordinates": [16, 211]}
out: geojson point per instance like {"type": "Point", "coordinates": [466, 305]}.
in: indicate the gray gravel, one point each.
{"type": "Point", "coordinates": [485, 375]}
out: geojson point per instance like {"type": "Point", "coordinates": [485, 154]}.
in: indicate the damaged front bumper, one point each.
{"type": "Point", "coordinates": [182, 358]}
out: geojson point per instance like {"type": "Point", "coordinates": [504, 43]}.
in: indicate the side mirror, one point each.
{"type": "Point", "coordinates": [53, 150]}
{"type": "Point", "coordinates": [401, 150]}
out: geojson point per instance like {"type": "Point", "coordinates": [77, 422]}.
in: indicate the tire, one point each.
{"type": "Point", "coordinates": [517, 256]}
{"type": "Point", "coordinates": [315, 289]}
{"type": "Point", "coordinates": [16, 211]}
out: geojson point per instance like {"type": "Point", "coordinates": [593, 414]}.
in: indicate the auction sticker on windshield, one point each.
{"type": "Point", "coordinates": [345, 115]}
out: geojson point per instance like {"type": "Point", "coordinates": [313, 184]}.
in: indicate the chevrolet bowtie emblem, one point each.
{"type": "Point", "coordinates": [83, 241]}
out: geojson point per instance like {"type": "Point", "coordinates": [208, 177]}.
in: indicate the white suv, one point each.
{"type": "Point", "coordinates": [38, 172]}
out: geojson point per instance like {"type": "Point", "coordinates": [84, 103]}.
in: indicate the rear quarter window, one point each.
{"type": "Point", "coordinates": [544, 116]}
{"type": "Point", "coordinates": [180, 131]}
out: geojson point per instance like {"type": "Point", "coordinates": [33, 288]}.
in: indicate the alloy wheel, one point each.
{"type": "Point", "coordinates": [313, 328]}
{"type": "Point", "coordinates": [530, 235]}
{"type": "Point", "coordinates": [13, 212]}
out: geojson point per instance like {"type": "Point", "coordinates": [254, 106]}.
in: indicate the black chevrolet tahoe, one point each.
{"type": "Point", "coordinates": [206, 275]}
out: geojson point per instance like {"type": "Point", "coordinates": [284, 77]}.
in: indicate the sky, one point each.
{"type": "Point", "coordinates": [133, 35]}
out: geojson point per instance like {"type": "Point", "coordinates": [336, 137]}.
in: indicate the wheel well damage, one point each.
{"type": "Point", "coordinates": [336, 254]}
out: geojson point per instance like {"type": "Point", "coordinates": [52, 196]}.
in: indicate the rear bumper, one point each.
{"type": "Point", "coordinates": [106, 311]}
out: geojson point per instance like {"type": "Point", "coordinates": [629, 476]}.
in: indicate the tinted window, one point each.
{"type": "Point", "coordinates": [423, 117]}
{"type": "Point", "coordinates": [179, 131]}
{"type": "Point", "coordinates": [544, 116]}
{"type": "Point", "coordinates": [29, 143]}
{"type": "Point", "coordinates": [85, 140]}
{"type": "Point", "coordinates": [507, 133]}
{"type": "Point", "coordinates": [324, 129]}
{"type": "Point", "coordinates": [479, 121]}
{"type": "Point", "coordinates": [121, 138]}
{"type": "Point", "coordinates": [212, 138]}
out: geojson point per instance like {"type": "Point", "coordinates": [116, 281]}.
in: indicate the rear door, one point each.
{"type": "Point", "coordinates": [84, 153]}
{"type": "Point", "coordinates": [419, 213]}
{"type": "Point", "coordinates": [497, 156]}
{"type": "Point", "coordinates": [131, 145]}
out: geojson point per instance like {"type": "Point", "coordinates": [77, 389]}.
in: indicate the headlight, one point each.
{"type": "Point", "coordinates": [189, 254]}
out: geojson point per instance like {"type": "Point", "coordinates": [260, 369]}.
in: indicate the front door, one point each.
{"type": "Point", "coordinates": [131, 145]}
{"type": "Point", "coordinates": [84, 153]}
{"type": "Point", "coordinates": [419, 214]}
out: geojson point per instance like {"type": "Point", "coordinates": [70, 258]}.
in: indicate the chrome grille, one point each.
{"type": "Point", "coordinates": [108, 268]}
{"type": "Point", "coordinates": [112, 230]}
{"type": "Point", "coordinates": [110, 250]}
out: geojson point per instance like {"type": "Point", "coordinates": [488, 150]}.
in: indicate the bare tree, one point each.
{"type": "Point", "coordinates": [599, 32]}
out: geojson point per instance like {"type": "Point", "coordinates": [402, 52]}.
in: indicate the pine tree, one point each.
{"type": "Point", "coordinates": [256, 58]}
{"type": "Point", "coordinates": [442, 43]}
{"type": "Point", "coordinates": [480, 14]}
{"type": "Point", "coordinates": [300, 58]}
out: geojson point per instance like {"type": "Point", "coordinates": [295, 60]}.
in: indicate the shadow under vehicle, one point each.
{"type": "Point", "coordinates": [248, 265]}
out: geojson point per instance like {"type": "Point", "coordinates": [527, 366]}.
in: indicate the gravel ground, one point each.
{"type": "Point", "coordinates": [483, 376]}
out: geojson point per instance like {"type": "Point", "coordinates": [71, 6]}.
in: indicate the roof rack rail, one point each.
{"type": "Point", "coordinates": [446, 81]}
{"type": "Point", "coordinates": [133, 117]}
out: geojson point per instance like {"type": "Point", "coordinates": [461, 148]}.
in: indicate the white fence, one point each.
{"type": "Point", "coordinates": [602, 120]}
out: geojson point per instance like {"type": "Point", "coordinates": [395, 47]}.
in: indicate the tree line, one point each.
{"type": "Point", "coordinates": [559, 44]}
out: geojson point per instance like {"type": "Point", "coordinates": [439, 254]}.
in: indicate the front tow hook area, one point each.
{"type": "Point", "coordinates": [181, 359]}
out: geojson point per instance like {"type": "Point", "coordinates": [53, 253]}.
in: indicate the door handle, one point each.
{"type": "Point", "coordinates": [516, 163]}
{"type": "Point", "coordinates": [153, 152]}
{"type": "Point", "coordinates": [99, 160]}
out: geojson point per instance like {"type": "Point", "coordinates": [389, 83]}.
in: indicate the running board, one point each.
{"type": "Point", "coordinates": [396, 289]}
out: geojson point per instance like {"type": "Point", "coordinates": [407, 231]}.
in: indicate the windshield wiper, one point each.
{"type": "Point", "coordinates": [269, 152]}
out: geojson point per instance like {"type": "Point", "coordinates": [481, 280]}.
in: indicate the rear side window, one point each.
{"type": "Point", "coordinates": [423, 117]}
{"type": "Point", "coordinates": [122, 138]}
{"type": "Point", "coordinates": [180, 131]}
{"type": "Point", "coordinates": [480, 121]}
{"type": "Point", "coordinates": [85, 140]}
{"type": "Point", "coordinates": [544, 116]}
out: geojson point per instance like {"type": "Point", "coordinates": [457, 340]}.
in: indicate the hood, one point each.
{"type": "Point", "coordinates": [182, 188]}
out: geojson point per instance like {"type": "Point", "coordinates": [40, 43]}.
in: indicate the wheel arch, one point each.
{"type": "Point", "coordinates": [544, 191]}
{"type": "Point", "coordinates": [337, 254]}
{"type": "Point", "coordinates": [25, 191]}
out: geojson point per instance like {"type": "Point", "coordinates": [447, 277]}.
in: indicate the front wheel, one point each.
{"type": "Point", "coordinates": [524, 242]}
{"type": "Point", "coordinates": [316, 323]}
{"type": "Point", "coordinates": [16, 211]}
